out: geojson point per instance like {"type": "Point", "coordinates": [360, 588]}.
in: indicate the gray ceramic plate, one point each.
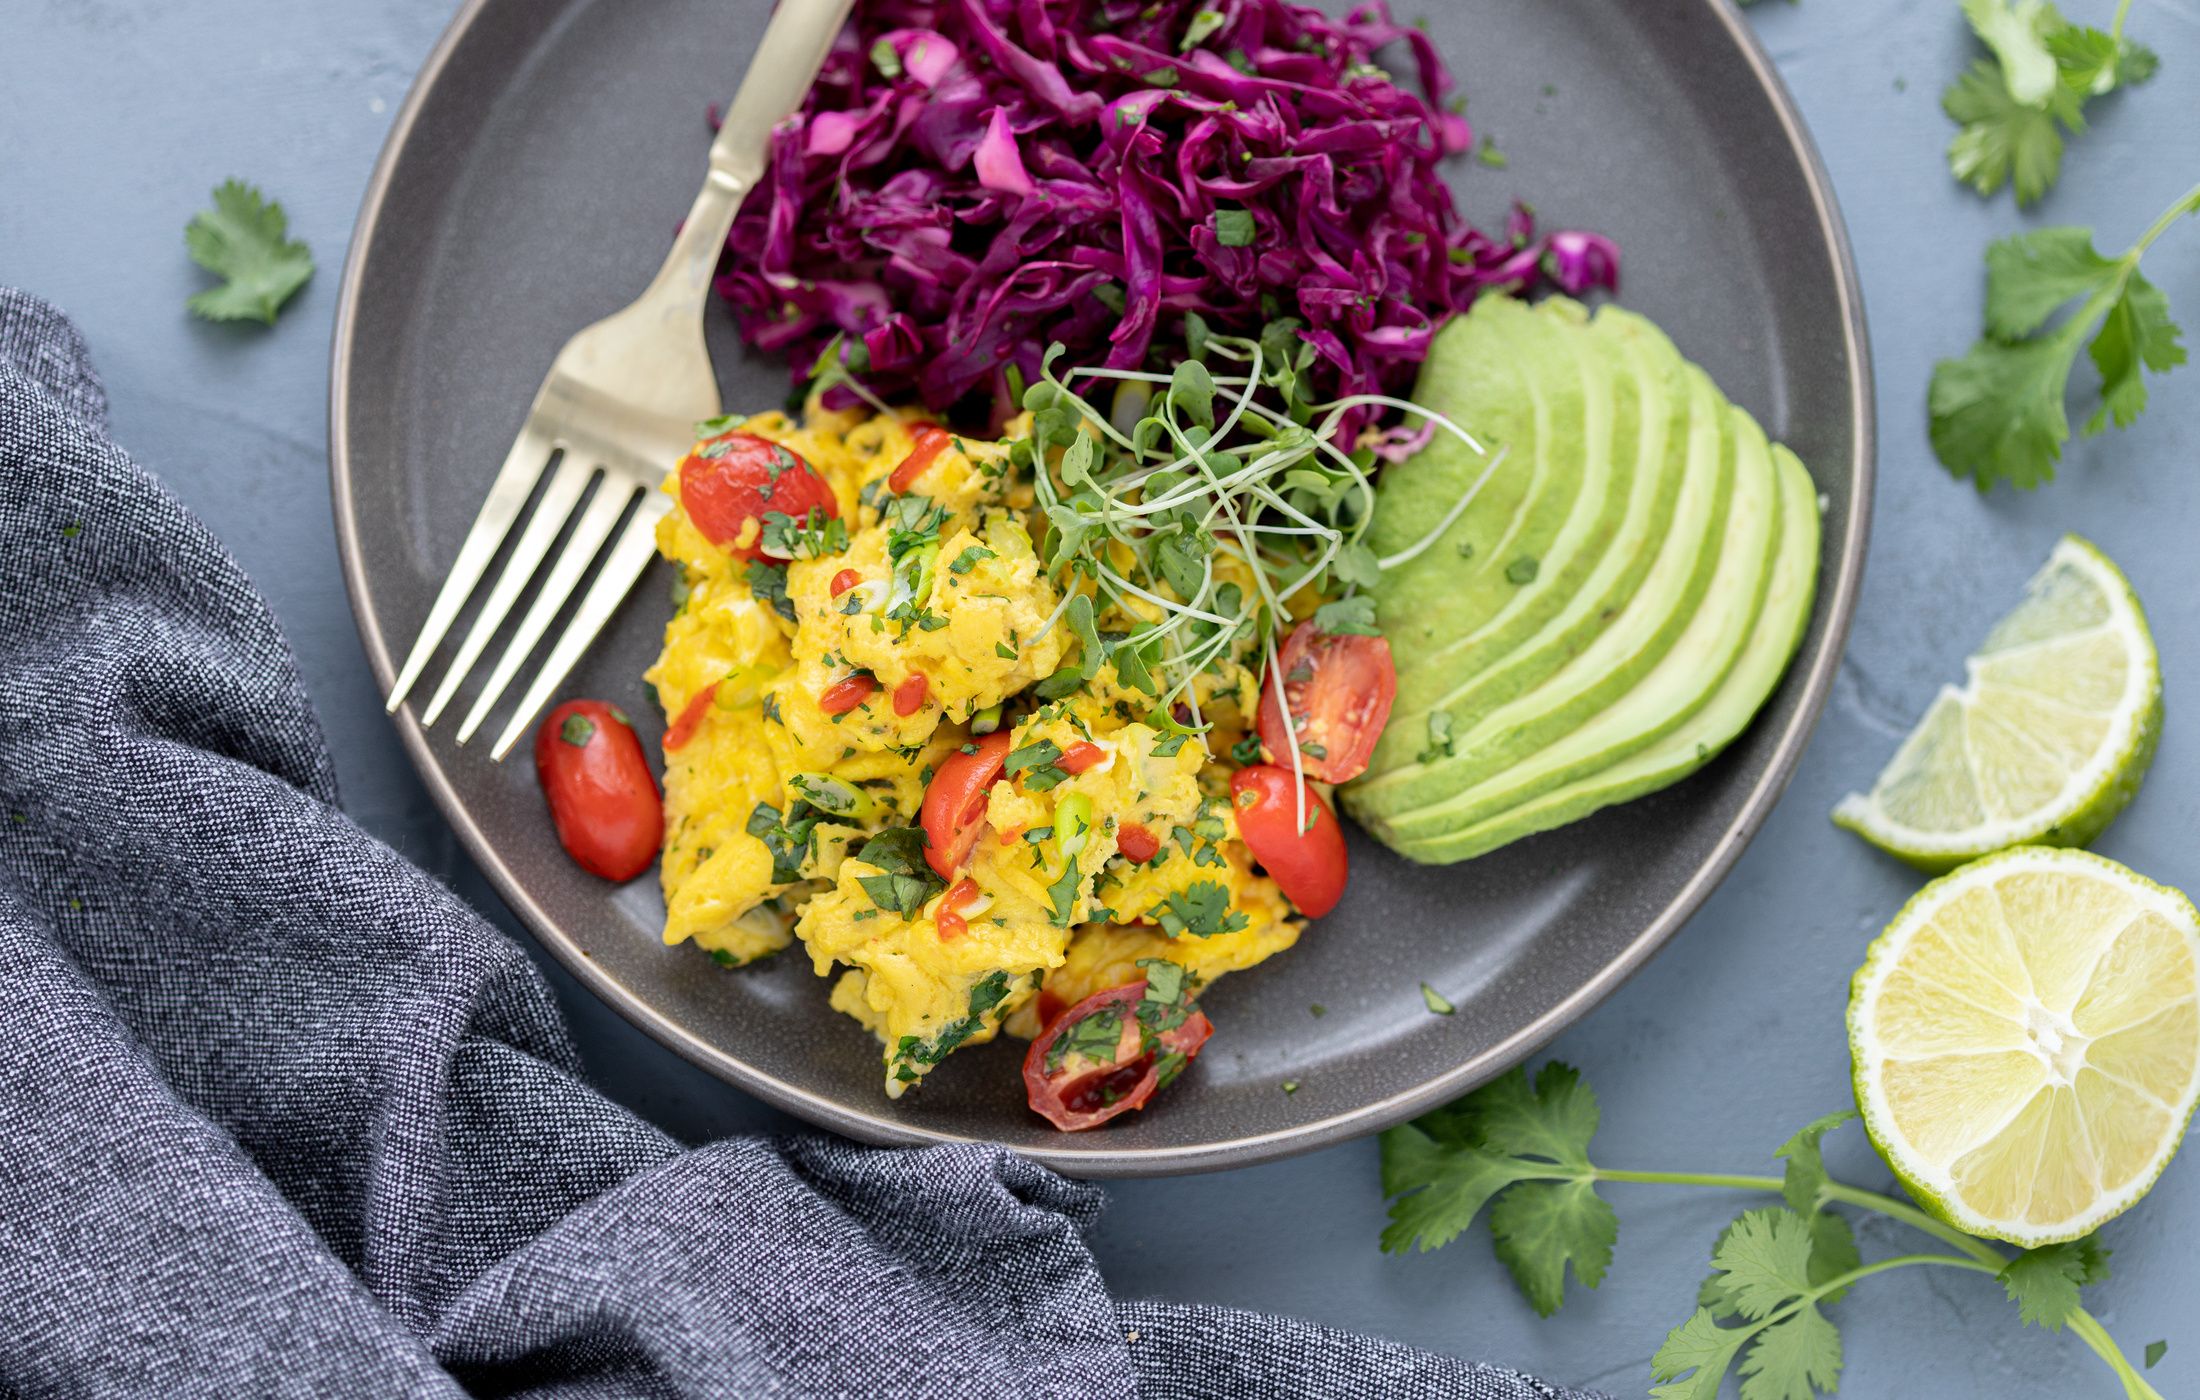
{"type": "Point", "coordinates": [529, 187]}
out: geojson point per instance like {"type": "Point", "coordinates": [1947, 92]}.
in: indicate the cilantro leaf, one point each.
{"type": "Point", "coordinates": [1768, 1269]}
{"type": "Point", "coordinates": [2032, 275]}
{"type": "Point", "coordinates": [1542, 1226]}
{"type": "Point", "coordinates": [2044, 1282]}
{"type": "Point", "coordinates": [1201, 909]}
{"type": "Point", "coordinates": [2155, 1352]}
{"type": "Point", "coordinates": [2001, 139]}
{"type": "Point", "coordinates": [1806, 1164]}
{"type": "Point", "coordinates": [2137, 331]}
{"type": "Point", "coordinates": [1699, 1345]}
{"type": "Point", "coordinates": [986, 995]}
{"type": "Point", "coordinates": [1997, 413]}
{"type": "Point", "coordinates": [790, 840]}
{"type": "Point", "coordinates": [908, 879]}
{"type": "Point", "coordinates": [1354, 616]}
{"type": "Point", "coordinates": [245, 240]}
{"type": "Point", "coordinates": [1356, 565]}
{"type": "Point", "coordinates": [1554, 1118]}
{"type": "Point", "coordinates": [1793, 1359]}
{"type": "Point", "coordinates": [2013, 107]}
{"type": "Point", "coordinates": [1093, 1038]}
{"type": "Point", "coordinates": [1523, 1145]}
{"type": "Point", "coordinates": [1765, 1258]}
{"type": "Point", "coordinates": [769, 583]}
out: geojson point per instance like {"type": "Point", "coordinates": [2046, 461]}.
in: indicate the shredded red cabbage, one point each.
{"type": "Point", "coordinates": [972, 180]}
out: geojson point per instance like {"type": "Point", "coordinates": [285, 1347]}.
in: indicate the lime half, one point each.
{"type": "Point", "coordinates": [2026, 1041]}
{"type": "Point", "coordinates": [2045, 742]}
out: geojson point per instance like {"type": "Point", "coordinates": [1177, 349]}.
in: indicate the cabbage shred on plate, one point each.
{"type": "Point", "coordinates": [971, 181]}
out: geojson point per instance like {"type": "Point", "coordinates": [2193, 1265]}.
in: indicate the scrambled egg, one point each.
{"type": "Point", "coordinates": [784, 821]}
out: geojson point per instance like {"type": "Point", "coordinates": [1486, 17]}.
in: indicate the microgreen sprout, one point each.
{"type": "Point", "coordinates": [1190, 483]}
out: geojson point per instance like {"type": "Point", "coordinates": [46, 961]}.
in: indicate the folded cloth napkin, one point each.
{"type": "Point", "coordinates": [280, 1115]}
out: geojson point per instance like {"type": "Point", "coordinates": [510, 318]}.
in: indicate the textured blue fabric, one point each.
{"type": "Point", "coordinates": [279, 1115]}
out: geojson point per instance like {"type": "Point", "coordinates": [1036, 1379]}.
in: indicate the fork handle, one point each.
{"type": "Point", "coordinates": [796, 42]}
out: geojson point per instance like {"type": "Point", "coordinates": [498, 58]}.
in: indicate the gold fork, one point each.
{"type": "Point", "coordinates": [618, 408]}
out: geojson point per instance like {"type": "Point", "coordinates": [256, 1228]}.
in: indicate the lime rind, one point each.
{"type": "Point", "coordinates": [2078, 597]}
{"type": "Point", "coordinates": [1929, 1187]}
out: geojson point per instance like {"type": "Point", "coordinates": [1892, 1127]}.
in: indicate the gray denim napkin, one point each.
{"type": "Point", "coordinates": [280, 1115]}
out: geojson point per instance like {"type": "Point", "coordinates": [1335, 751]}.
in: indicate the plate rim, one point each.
{"type": "Point", "coordinates": [878, 1127]}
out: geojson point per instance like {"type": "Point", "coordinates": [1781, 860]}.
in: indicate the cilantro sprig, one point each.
{"type": "Point", "coordinates": [2013, 107]}
{"type": "Point", "coordinates": [1997, 413]}
{"type": "Point", "coordinates": [1518, 1149]}
{"type": "Point", "coordinates": [245, 240]}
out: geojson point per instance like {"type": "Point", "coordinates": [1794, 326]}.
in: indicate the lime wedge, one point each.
{"type": "Point", "coordinates": [2045, 742]}
{"type": "Point", "coordinates": [2026, 1041]}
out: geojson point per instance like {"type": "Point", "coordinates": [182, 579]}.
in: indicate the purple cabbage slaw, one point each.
{"type": "Point", "coordinates": [972, 180]}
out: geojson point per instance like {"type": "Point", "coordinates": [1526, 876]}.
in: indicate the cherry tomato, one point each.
{"type": "Point", "coordinates": [954, 803]}
{"type": "Point", "coordinates": [949, 919]}
{"type": "Point", "coordinates": [844, 695]}
{"type": "Point", "coordinates": [909, 695]}
{"type": "Point", "coordinates": [1083, 1091]}
{"type": "Point", "coordinates": [736, 478]}
{"type": "Point", "coordinates": [929, 442]}
{"type": "Point", "coordinates": [690, 717]}
{"type": "Point", "coordinates": [602, 797]}
{"type": "Point", "coordinates": [1079, 756]}
{"type": "Point", "coordinates": [1137, 844]}
{"type": "Point", "coordinates": [845, 580]}
{"type": "Point", "coordinates": [1339, 689]}
{"type": "Point", "coordinates": [1308, 866]}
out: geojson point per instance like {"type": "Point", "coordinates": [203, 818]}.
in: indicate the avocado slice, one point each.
{"type": "Point", "coordinates": [1518, 378]}
{"type": "Point", "coordinates": [1772, 643]}
{"type": "Point", "coordinates": [1650, 451]}
{"type": "Point", "coordinates": [1595, 719]}
{"type": "Point", "coordinates": [1422, 799]}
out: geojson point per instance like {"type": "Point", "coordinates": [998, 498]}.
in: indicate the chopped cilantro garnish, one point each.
{"type": "Point", "coordinates": [908, 879]}
{"type": "Point", "coordinates": [577, 730]}
{"type": "Point", "coordinates": [1201, 909]}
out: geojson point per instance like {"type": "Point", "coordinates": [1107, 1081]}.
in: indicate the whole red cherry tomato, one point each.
{"type": "Point", "coordinates": [1339, 688]}
{"type": "Point", "coordinates": [1309, 866]}
{"type": "Point", "coordinates": [1099, 1076]}
{"type": "Point", "coordinates": [602, 797]}
{"type": "Point", "coordinates": [954, 802]}
{"type": "Point", "coordinates": [731, 480]}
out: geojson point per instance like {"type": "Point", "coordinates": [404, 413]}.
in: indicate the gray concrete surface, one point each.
{"type": "Point", "coordinates": [117, 116]}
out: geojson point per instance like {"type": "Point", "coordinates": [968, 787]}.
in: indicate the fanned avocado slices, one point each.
{"type": "Point", "coordinates": [1527, 700]}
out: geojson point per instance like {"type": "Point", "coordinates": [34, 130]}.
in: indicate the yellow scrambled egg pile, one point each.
{"type": "Point", "coordinates": [783, 821]}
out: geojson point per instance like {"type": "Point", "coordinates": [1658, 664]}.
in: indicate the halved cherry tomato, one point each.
{"type": "Point", "coordinates": [690, 718]}
{"type": "Point", "coordinates": [1308, 866]}
{"type": "Point", "coordinates": [845, 580]}
{"type": "Point", "coordinates": [1079, 756]}
{"type": "Point", "coordinates": [909, 695]}
{"type": "Point", "coordinates": [844, 695]}
{"type": "Point", "coordinates": [1339, 689]}
{"type": "Point", "coordinates": [929, 442]}
{"type": "Point", "coordinates": [1137, 843]}
{"type": "Point", "coordinates": [954, 802]}
{"type": "Point", "coordinates": [949, 917]}
{"type": "Point", "coordinates": [1082, 1091]}
{"type": "Point", "coordinates": [736, 478]}
{"type": "Point", "coordinates": [602, 796]}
